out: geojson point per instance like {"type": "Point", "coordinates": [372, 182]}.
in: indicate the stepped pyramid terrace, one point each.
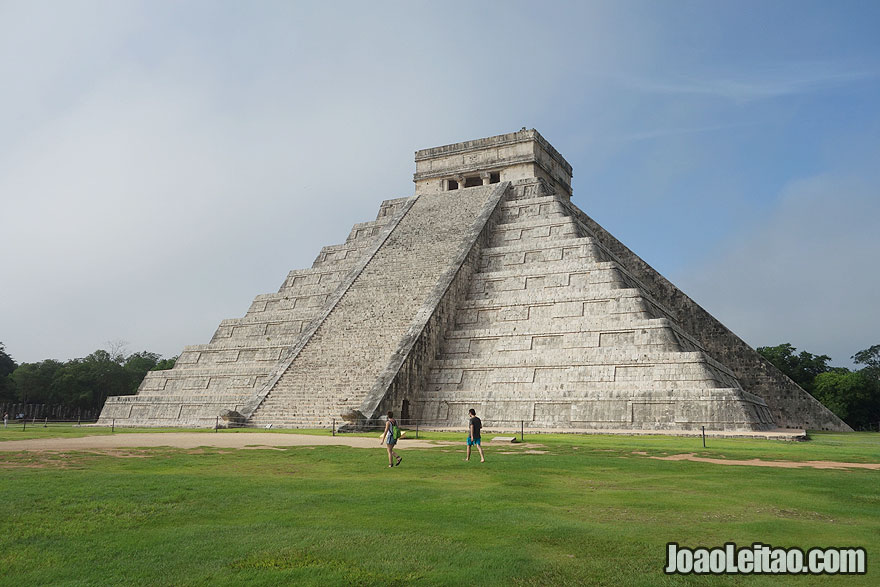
{"type": "Point", "coordinates": [487, 289]}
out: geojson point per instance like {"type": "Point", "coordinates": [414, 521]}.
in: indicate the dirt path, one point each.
{"type": "Point", "coordinates": [777, 464]}
{"type": "Point", "coordinates": [192, 440]}
{"type": "Point", "coordinates": [195, 440]}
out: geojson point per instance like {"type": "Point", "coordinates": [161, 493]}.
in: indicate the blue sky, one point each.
{"type": "Point", "coordinates": [161, 163]}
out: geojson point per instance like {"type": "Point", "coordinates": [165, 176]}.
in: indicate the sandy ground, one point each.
{"type": "Point", "coordinates": [777, 464]}
{"type": "Point", "coordinates": [189, 440]}
{"type": "Point", "coordinates": [195, 440]}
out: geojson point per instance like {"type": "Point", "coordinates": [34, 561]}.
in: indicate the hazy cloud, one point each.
{"type": "Point", "coordinates": [758, 83]}
{"type": "Point", "coordinates": [162, 163]}
{"type": "Point", "coordinates": [806, 274]}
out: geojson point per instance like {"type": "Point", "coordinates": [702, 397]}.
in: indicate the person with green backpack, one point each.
{"type": "Point", "coordinates": [389, 438]}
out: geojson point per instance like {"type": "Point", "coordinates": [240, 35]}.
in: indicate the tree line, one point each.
{"type": "Point", "coordinates": [78, 383]}
{"type": "Point", "coordinates": [853, 395]}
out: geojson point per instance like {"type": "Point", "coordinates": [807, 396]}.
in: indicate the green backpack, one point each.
{"type": "Point", "coordinates": [395, 430]}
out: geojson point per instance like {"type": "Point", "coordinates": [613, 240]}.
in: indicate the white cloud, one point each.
{"type": "Point", "coordinates": [759, 83]}
{"type": "Point", "coordinates": [161, 163]}
{"type": "Point", "coordinates": [172, 177]}
{"type": "Point", "coordinates": [806, 274]}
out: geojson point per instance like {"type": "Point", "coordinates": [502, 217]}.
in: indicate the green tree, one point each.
{"type": "Point", "coordinates": [76, 384]}
{"type": "Point", "coordinates": [854, 396]}
{"type": "Point", "coordinates": [35, 383]}
{"type": "Point", "coordinates": [802, 368]}
{"type": "Point", "coordinates": [85, 382]}
{"type": "Point", "coordinates": [164, 364]}
{"type": "Point", "coordinates": [7, 384]}
{"type": "Point", "coordinates": [870, 358]}
{"type": "Point", "coordinates": [108, 375]}
{"type": "Point", "coordinates": [142, 361]}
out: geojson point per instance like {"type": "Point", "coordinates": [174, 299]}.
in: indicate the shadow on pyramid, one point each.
{"type": "Point", "coordinates": [490, 290]}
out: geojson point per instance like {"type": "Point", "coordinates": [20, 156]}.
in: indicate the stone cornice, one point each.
{"type": "Point", "coordinates": [513, 138]}
{"type": "Point", "coordinates": [464, 169]}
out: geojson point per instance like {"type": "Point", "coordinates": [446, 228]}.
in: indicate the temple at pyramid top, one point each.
{"type": "Point", "coordinates": [487, 289]}
{"type": "Point", "coordinates": [513, 156]}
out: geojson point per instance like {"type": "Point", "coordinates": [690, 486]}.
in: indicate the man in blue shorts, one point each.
{"type": "Point", "coordinates": [474, 426]}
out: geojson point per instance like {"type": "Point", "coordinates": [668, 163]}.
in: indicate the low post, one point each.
{"type": "Point", "coordinates": [522, 430]}
{"type": "Point", "coordinates": [417, 429]}
{"type": "Point", "coordinates": [217, 424]}
{"type": "Point", "coordinates": [23, 424]}
{"type": "Point", "coordinates": [333, 426]}
{"type": "Point", "coordinates": [704, 436]}
{"type": "Point", "coordinates": [113, 426]}
{"type": "Point", "coordinates": [78, 421]}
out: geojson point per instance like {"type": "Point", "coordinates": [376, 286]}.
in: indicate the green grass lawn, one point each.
{"type": "Point", "coordinates": [585, 511]}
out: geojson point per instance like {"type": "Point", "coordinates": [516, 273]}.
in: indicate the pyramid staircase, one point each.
{"type": "Point", "coordinates": [357, 348]}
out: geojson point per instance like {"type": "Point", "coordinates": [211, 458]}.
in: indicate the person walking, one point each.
{"type": "Point", "coordinates": [5, 419]}
{"type": "Point", "coordinates": [474, 426]}
{"type": "Point", "coordinates": [389, 440]}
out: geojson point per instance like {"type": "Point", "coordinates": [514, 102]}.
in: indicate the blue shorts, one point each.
{"type": "Point", "coordinates": [473, 441]}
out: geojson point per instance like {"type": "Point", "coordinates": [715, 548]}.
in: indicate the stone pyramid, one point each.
{"type": "Point", "coordinates": [487, 289]}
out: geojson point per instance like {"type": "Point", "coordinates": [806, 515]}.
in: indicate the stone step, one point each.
{"type": "Point", "coordinates": [523, 247]}
{"type": "Point", "coordinates": [576, 358]}
{"type": "Point", "coordinates": [343, 264]}
{"type": "Point", "coordinates": [557, 383]}
{"type": "Point", "coordinates": [389, 208]}
{"type": "Point", "coordinates": [316, 273]}
{"type": "Point", "coordinates": [535, 232]}
{"type": "Point", "coordinates": [603, 284]}
{"type": "Point", "coordinates": [256, 328]}
{"type": "Point", "coordinates": [206, 357]}
{"type": "Point", "coordinates": [366, 230]}
{"type": "Point", "coordinates": [531, 282]}
{"type": "Point", "coordinates": [581, 325]}
{"type": "Point", "coordinates": [526, 190]}
{"type": "Point", "coordinates": [312, 276]}
{"type": "Point", "coordinates": [535, 222]}
{"type": "Point", "coordinates": [344, 254]}
{"type": "Point", "coordinates": [521, 216]}
{"type": "Point", "coordinates": [599, 358]}
{"type": "Point", "coordinates": [550, 341]}
{"type": "Point", "coordinates": [308, 289]}
{"type": "Point", "coordinates": [280, 302]}
{"type": "Point", "coordinates": [570, 264]}
{"type": "Point", "coordinates": [178, 399]}
{"type": "Point", "coordinates": [256, 316]}
{"type": "Point", "coordinates": [556, 295]}
{"type": "Point", "coordinates": [507, 203]}
{"type": "Point", "coordinates": [577, 393]}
